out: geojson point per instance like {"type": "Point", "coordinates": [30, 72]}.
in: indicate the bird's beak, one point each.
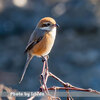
{"type": "Point", "coordinates": [56, 25]}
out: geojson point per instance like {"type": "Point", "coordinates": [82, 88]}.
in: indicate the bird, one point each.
{"type": "Point", "coordinates": [41, 40]}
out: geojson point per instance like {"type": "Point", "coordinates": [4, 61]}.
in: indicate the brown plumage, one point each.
{"type": "Point", "coordinates": [44, 46]}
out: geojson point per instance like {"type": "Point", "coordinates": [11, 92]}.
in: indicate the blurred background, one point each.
{"type": "Point", "coordinates": [75, 57]}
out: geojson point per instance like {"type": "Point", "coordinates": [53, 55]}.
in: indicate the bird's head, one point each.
{"type": "Point", "coordinates": [47, 24]}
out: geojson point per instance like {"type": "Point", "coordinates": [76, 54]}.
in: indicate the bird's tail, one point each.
{"type": "Point", "coordinates": [29, 57]}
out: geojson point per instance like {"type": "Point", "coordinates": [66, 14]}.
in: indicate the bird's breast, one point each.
{"type": "Point", "coordinates": [45, 45]}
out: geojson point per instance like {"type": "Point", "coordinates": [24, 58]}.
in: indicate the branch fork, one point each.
{"type": "Point", "coordinates": [66, 86]}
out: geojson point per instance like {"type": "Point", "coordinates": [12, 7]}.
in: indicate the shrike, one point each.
{"type": "Point", "coordinates": [41, 40]}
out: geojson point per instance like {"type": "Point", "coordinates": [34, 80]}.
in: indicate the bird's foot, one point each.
{"type": "Point", "coordinates": [43, 59]}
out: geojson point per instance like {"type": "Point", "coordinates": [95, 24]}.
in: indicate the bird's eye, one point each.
{"type": "Point", "coordinates": [46, 25]}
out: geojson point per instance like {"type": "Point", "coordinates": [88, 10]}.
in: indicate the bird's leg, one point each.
{"type": "Point", "coordinates": [47, 57]}
{"type": "Point", "coordinates": [45, 69]}
{"type": "Point", "coordinates": [44, 62]}
{"type": "Point", "coordinates": [44, 74]}
{"type": "Point", "coordinates": [43, 59]}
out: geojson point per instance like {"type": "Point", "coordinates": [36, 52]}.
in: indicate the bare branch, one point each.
{"type": "Point", "coordinates": [66, 86]}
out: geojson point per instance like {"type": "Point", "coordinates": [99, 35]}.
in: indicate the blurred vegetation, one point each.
{"type": "Point", "coordinates": [4, 90]}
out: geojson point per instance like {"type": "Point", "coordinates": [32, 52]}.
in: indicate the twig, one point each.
{"type": "Point", "coordinates": [74, 88]}
{"type": "Point", "coordinates": [66, 86]}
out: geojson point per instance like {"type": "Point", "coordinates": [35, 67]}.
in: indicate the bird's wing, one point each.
{"type": "Point", "coordinates": [35, 37]}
